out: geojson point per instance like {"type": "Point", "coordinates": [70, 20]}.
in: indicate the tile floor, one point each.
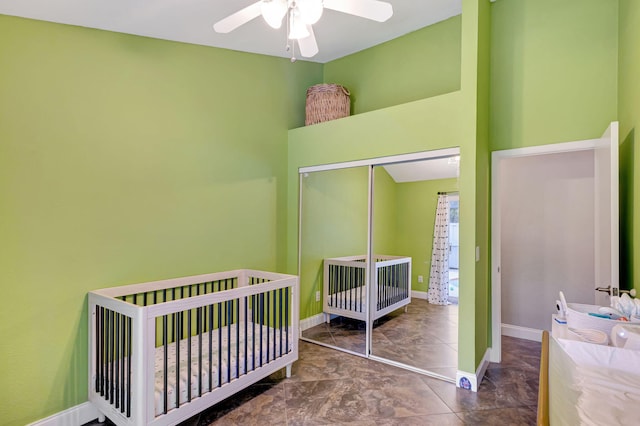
{"type": "Point", "coordinates": [329, 387]}
{"type": "Point", "coordinates": [425, 336]}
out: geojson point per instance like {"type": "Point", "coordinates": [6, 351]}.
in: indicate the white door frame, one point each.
{"type": "Point", "coordinates": [496, 287]}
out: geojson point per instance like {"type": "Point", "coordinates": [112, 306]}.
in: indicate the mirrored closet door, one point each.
{"type": "Point", "coordinates": [412, 222]}
{"type": "Point", "coordinates": [366, 240]}
{"type": "Point", "coordinates": [333, 250]}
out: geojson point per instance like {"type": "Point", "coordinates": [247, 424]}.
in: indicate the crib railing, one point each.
{"type": "Point", "coordinates": [345, 278]}
{"type": "Point", "coordinates": [112, 379]}
{"type": "Point", "coordinates": [345, 281]}
{"type": "Point", "coordinates": [208, 330]}
{"type": "Point", "coordinates": [393, 282]}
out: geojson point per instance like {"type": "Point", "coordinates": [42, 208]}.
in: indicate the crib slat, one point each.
{"type": "Point", "coordinates": [111, 352]}
{"type": "Point", "coordinates": [165, 340]}
{"type": "Point", "coordinates": [117, 360]}
{"type": "Point", "coordinates": [353, 286]}
{"type": "Point", "coordinates": [253, 332]}
{"type": "Point", "coordinates": [340, 286]}
{"type": "Point", "coordinates": [98, 349]}
{"type": "Point", "coordinates": [106, 354]}
{"type": "Point", "coordinates": [211, 345]}
{"type": "Point", "coordinates": [385, 294]}
{"type": "Point", "coordinates": [387, 290]}
{"type": "Point", "coordinates": [361, 296]}
{"type": "Point", "coordinates": [199, 330]}
{"type": "Point", "coordinates": [188, 351]}
{"type": "Point", "coordinates": [382, 289]}
{"type": "Point", "coordinates": [272, 323]}
{"type": "Point", "coordinates": [335, 288]}
{"type": "Point", "coordinates": [286, 317]}
{"type": "Point", "coordinates": [280, 318]}
{"type": "Point", "coordinates": [266, 321]}
{"type": "Point", "coordinates": [237, 321]}
{"type": "Point", "coordinates": [219, 344]}
{"type": "Point", "coordinates": [228, 303]}
{"type": "Point", "coordinates": [129, 367]}
{"type": "Point", "coordinates": [122, 368]}
{"type": "Point", "coordinates": [246, 337]}
{"type": "Point", "coordinates": [178, 330]}
{"type": "Point", "coordinates": [261, 319]}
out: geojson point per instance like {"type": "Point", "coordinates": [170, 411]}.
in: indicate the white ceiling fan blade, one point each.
{"type": "Point", "coordinates": [241, 17]}
{"type": "Point", "coordinates": [308, 45]}
{"type": "Point", "coordinates": [371, 9]}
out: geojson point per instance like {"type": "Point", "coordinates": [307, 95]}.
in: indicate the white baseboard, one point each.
{"type": "Point", "coordinates": [471, 381]}
{"type": "Point", "coordinates": [309, 322]}
{"type": "Point", "coordinates": [78, 415]}
{"type": "Point", "coordinates": [522, 332]}
{"type": "Point", "coordinates": [419, 294]}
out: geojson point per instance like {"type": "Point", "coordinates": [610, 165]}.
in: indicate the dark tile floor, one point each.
{"type": "Point", "coordinates": [329, 387]}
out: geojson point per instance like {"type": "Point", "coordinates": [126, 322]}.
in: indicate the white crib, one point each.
{"type": "Point", "coordinates": [163, 351]}
{"type": "Point", "coordinates": [345, 292]}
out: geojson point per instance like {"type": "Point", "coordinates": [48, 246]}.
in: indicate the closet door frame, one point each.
{"type": "Point", "coordinates": [370, 163]}
{"type": "Point", "coordinates": [608, 140]}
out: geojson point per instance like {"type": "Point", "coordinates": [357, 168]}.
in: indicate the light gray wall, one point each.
{"type": "Point", "coordinates": [547, 235]}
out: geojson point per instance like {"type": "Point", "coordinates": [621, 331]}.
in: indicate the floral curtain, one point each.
{"type": "Point", "coordinates": [438, 293]}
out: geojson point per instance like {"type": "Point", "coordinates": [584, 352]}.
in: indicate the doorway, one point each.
{"type": "Point", "coordinates": [548, 244]}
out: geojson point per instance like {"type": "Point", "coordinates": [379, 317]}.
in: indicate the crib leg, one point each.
{"type": "Point", "coordinates": [101, 418]}
{"type": "Point", "coordinates": [327, 318]}
{"type": "Point", "coordinates": [406, 308]}
{"type": "Point", "coordinates": [288, 370]}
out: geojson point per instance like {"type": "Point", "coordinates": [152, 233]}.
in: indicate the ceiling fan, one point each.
{"type": "Point", "coordinates": [300, 17]}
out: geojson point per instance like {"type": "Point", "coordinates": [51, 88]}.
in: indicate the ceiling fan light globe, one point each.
{"type": "Point", "coordinates": [310, 10]}
{"type": "Point", "coordinates": [297, 28]}
{"type": "Point", "coordinates": [273, 11]}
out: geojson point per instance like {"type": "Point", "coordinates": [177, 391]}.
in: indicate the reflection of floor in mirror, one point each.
{"type": "Point", "coordinates": [345, 333]}
{"type": "Point", "coordinates": [426, 336]}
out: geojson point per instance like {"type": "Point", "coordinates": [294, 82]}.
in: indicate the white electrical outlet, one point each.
{"type": "Point", "coordinates": [317, 296]}
{"type": "Point", "coordinates": [420, 278]}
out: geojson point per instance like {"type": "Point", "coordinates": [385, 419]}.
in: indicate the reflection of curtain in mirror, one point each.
{"type": "Point", "coordinates": [438, 293]}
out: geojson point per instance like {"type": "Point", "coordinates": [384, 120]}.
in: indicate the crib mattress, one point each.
{"type": "Point", "coordinates": [354, 301]}
{"type": "Point", "coordinates": [224, 369]}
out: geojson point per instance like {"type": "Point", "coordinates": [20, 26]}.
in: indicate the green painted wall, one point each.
{"type": "Point", "coordinates": [553, 70]}
{"type": "Point", "coordinates": [385, 212]}
{"type": "Point", "coordinates": [126, 159]}
{"type": "Point", "coordinates": [418, 65]}
{"type": "Point", "coordinates": [474, 315]}
{"type": "Point", "coordinates": [416, 206]}
{"type": "Point", "coordinates": [335, 206]}
{"type": "Point", "coordinates": [629, 116]}
{"type": "Point", "coordinates": [483, 184]}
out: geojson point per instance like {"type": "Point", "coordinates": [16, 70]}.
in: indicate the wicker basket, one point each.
{"type": "Point", "coordinates": [326, 102]}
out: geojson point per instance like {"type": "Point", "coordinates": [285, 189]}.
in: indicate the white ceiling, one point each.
{"type": "Point", "coordinates": [431, 169]}
{"type": "Point", "coordinates": [191, 21]}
